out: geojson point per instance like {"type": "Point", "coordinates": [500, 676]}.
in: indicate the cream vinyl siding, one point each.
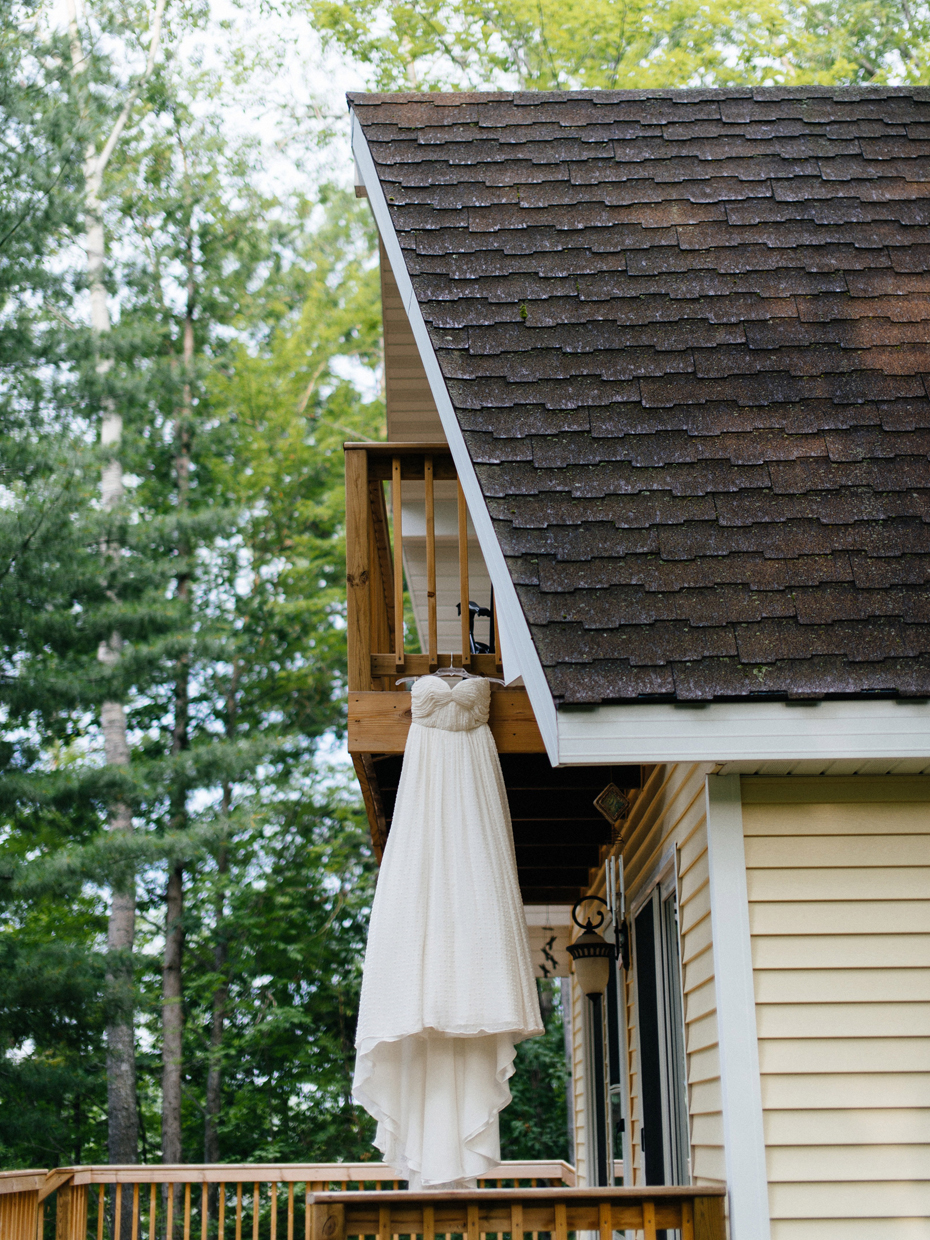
{"type": "Point", "coordinates": [838, 873]}
{"type": "Point", "coordinates": [668, 819]}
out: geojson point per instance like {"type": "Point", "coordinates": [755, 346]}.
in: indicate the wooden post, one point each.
{"type": "Point", "coordinates": [358, 602]}
{"type": "Point", "coordinates": [398, 563]}
{"type": "Point", "coordinates": [709, 1222]}
{"type": "Point", "coordinates": [327, 1221]}
{"type": "Point", "coordinates": [603, 1221]}
{"type": "Point", "coordinates": [463, 576]}
{"type": "Point", "coordinates": [516, 1221]}
{"type": "Point", "coordinates": [431, 563]}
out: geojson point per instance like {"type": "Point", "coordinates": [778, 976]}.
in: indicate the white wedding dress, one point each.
{"type": "Point", "coordinates": [448, 987]}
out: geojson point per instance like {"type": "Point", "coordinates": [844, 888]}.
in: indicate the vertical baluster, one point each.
{"type": "Point", "coordinates": [687, 1220]}
{"type": "Point", "coordinates": [187, 1212]}
{"type": "Point", "coordinates": [649, 1220]}
{"type": "Point", "coordinates": [135, 1212]}
{"type": "Point", "coordinates": [255, 1207]}
{"type": "Point", "coordinates": [516, 1221]}
{"type": "Point", "coordinates": [561, 1221]}
{"type": "Point", "coordinates": [429, 1223]}
{"type": "Point", "coordinates": [398, 564]}
{"type": "Point", "coordinates": [463, 576]}
{"type": "Point", "coordinates": [384, 1223]}
{"type": "Point", "coordinates": [169, 1216]}
{"type": "Point", "coordinates": [204, 1211]}
{"type": "Point", "coordinates": [290, 1212]}
{"type": "Point", "coordinates": [153, 1212]}
{"type": "Point", "coordinates": [101, 1210]}
{"type": "Point", "coordinates": [40, 1221]}
{"type": "Point", "coordinates": [118, 1212]}
{"type": "Point", "coordinates": [358, 569]}
{"type": "Point", "coordinates": [431, 564]}
{"type": "Point", "coordinates": [274, 1210]}
{"type": "Point", "coordinates": [238, 1212]}
{"type": "Point", "coordinates": [221, 1212]}
{"type": "Point", "coordinates": [307, 1210]}
{"type": "Point", "coordinates": [604, 1221]}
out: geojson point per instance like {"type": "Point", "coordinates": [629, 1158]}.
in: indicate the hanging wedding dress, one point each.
{"type": "Point", "coordinates": [448, 987]}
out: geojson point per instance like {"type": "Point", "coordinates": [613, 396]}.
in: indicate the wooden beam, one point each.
{"type": "Point", "coordinates": [374, 807]}
{"type": "Point", "coordinates": [358, 602]}
{"type": "Point", "coordinates": [379, 722]}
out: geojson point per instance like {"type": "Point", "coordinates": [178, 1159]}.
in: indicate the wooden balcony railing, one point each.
{"type": "Point", "coordinates": [375, 565]}
{"type": "Point", "coordinates": [210, 1202]}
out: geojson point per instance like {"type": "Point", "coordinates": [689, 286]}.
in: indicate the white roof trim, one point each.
{"type": "Point", "coordinates": [745, 731]}
{"type": "Point", "coordinates": [522, 657]}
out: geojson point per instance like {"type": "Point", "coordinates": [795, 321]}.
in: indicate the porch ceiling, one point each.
{"type": "Point", "coordinates": [558, 834]}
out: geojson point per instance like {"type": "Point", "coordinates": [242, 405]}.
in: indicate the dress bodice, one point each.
{"type": "Point", "coordinates": [435, 703]}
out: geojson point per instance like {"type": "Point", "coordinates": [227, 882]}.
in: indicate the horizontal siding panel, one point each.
{"type": "Point", "coordinates": [783, 1092]}
{"type": "Point", "coordinates": [850, 1200]}
{"type": "Point", "coordinates": [700, 1002]}
{"type": "Point", "coordinates": [871, 916]}
{"type": "Point", "coordinates": [709, 1165]}
{"type": "Point", "coordinates": [705, 1065]}
{"type": "Point", "coordinates": [696, 910]}
{"type": "Point", "coordinates": [691, 883]}
{"type": "Point", "coordinates": [701, 1033]}
{"type": "Point", "coordinates": [707, 1130]}
{"type": "Point", "coordinates": [894, 819]}
{"type": "Point", "coordinates": [896, 1126]}
{"type": "Point", "coordinates": [840, 951]}
{"type": "Point", "coordinates": [692, 847]}
{"type": "Point", "coordinates": [848, 1162]}
{"type": "Point", "coordinates": [698, 971]}
{"type": "Point", "coordinates": [878, 1055]}
{"type": "Point", "coordinates": [889, 985]}
{"type": "Point", "coordinates": [695, 936]}
{"type": "Point", "coordinates": [798, 851]}
{"type": "Point", "coordinates": [817, 789]}
{"type": "Point", "coordinates": [843, 1020]}
{"type": "Point", "coordinates": [851, 1229]}
{"type": "Point", "coordinates": [879, 883]}
{"type": "Point", "coordinates": [705, 1098]}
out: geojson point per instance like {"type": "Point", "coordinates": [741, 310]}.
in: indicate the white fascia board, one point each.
{"type": "Point", "coordinates": [737, 1035]}
{"type": "Point", "coordinates": [744, 731]}
{"type": "Point", "coordinates": [521, 654]}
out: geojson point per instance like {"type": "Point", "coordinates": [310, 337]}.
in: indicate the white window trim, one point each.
{"type": "Point", "coordinates": [741, 1088]}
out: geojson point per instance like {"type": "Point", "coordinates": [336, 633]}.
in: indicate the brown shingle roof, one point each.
{"type": "Point", "coordinates": [687, 338]}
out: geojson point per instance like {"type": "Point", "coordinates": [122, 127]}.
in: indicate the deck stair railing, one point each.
{"type": "Point", "coordinates": [297, 1202]}
{"type": "Point", "coordinates": [375, 565]}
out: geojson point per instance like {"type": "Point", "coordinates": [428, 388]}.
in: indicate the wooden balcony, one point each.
{"type": "Point", "coordinates": [420, 537]}
{"type": "Point", "coordinates": [296, 1202]}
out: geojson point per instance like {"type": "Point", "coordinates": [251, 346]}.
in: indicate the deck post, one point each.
{"type": "Point", "coordinates": [358, 600]}
{"type": "Point", "coordinates": [327, 1221]}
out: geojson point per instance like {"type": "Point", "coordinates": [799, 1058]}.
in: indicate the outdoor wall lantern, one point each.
{"type": "Point", "coordinates": [591, 953]}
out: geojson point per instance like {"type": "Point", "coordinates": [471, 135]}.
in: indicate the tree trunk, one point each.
{"type": "Point", "coordinates": [172, 1019]}
{"type": "Point", "coordinates": [211, 1139]}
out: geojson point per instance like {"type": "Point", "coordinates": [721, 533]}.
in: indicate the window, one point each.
{"type": "Point", "coordinates": [664, 1135]}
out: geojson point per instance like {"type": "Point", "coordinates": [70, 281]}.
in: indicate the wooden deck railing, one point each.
{"type": "Point", "coordinates": [375, 565]}
{"type": "Point", "coordinates": [208, 1202]}
{"type": "Point", "coordinates": [697, 1213]}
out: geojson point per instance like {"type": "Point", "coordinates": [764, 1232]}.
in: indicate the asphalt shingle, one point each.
{"type": "Point", "coordinates": [686, 337]}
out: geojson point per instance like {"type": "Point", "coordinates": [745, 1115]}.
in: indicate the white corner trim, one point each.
{"type": "Point", "coordinates": [743, 1135]}
{"type": "Point", "coordinates": [745, 731]}
{"type": "Point", "coordinates": [519, 644]}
